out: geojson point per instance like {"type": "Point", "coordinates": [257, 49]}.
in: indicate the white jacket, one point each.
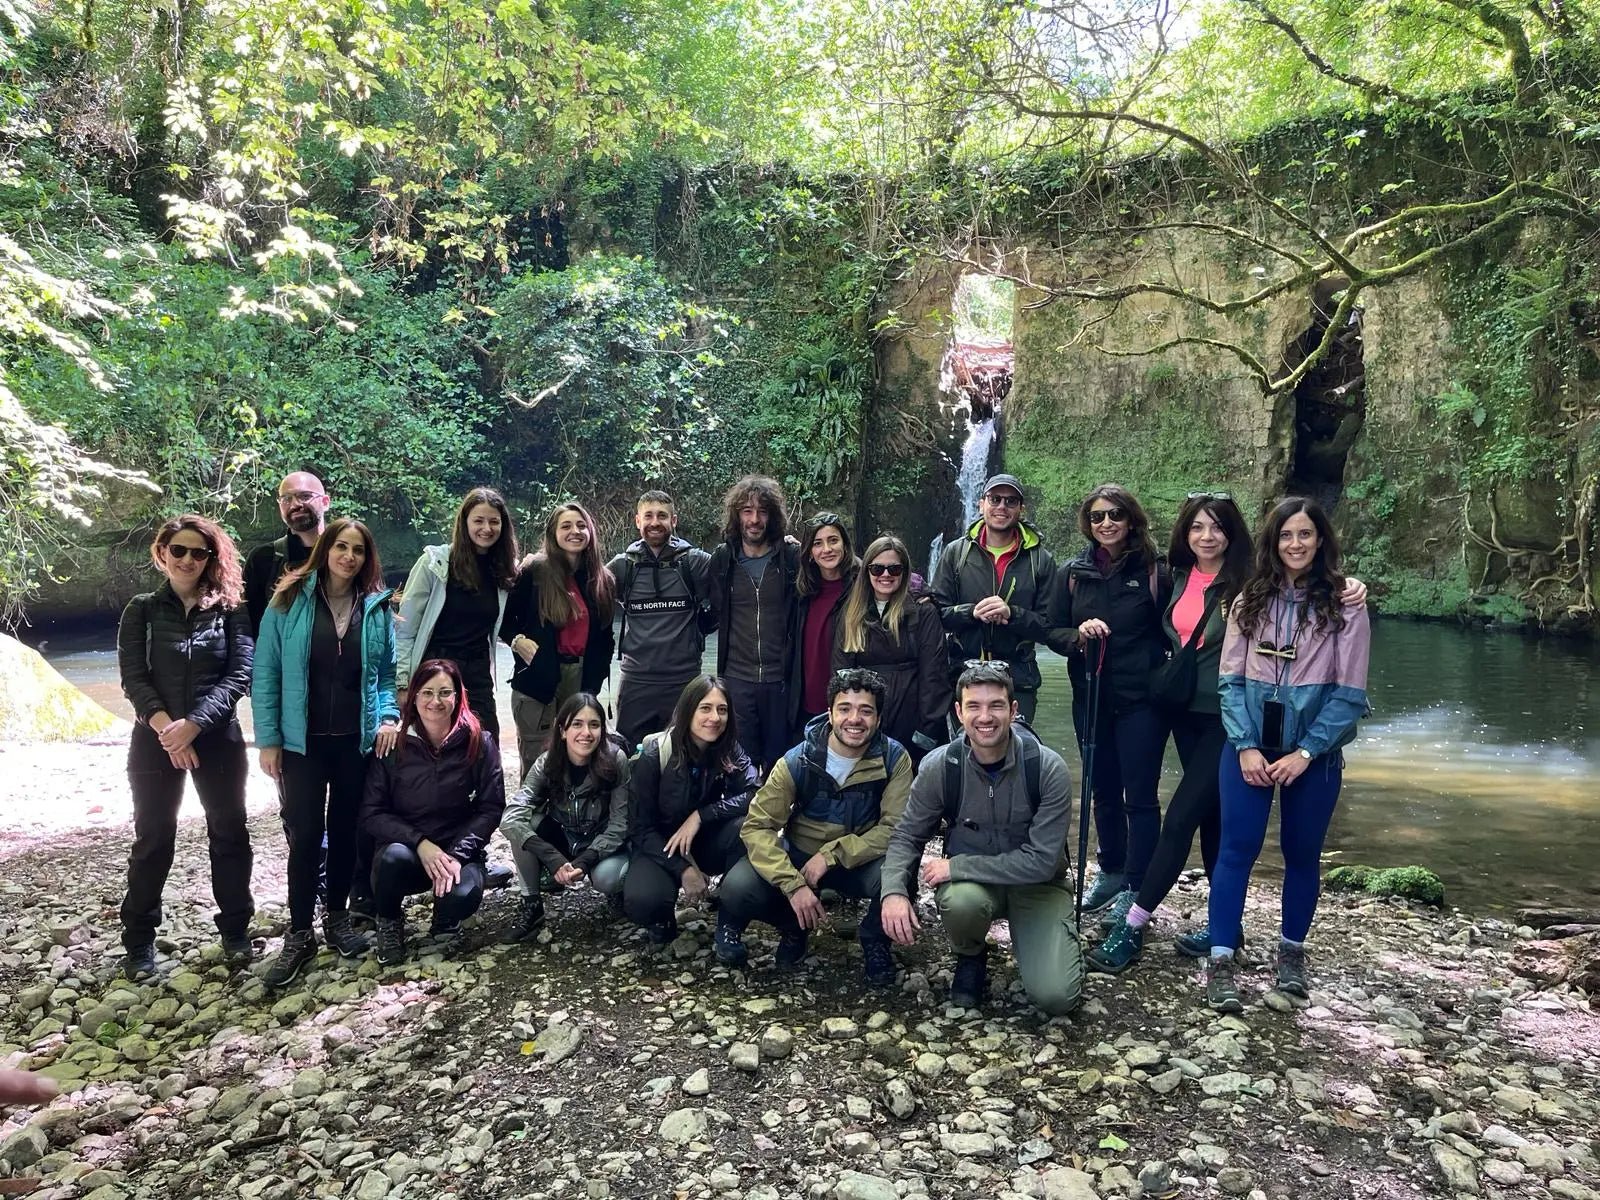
{"type": "Point", "coordinates": [420, 606]}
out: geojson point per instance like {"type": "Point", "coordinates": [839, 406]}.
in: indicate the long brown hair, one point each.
{"type": "Point", "coordinates": [462, 717]}
{"type": "Point", "coordinates": [555, 571]}
{"type": "Point", "coordinates": [605, 766]}
{"type": "Point", "coordinates": [367, 581]}
{"type": "Point", "coordinates": [809, 580]}
{"type": "Point", "coordinates": [502, 555]}
{"type": "Point", "coordinates": [758, 489]}
{"type": "Point", "coordinates": [222, 582]}
{"type": "Point", "coordinates": [685, 753]}
{"type": "Point", "coordinates": [863, 600]}
{"type": "Point", "coordinates": [1138, 523]}
{"type": "Point", "coordinates": [1235, 559]}
{"type": "Point", "coordinates": [1323, 580]}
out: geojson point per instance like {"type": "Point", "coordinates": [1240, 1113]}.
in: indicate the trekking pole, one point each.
{"type": "Point", "coordinates": [1086, 749]}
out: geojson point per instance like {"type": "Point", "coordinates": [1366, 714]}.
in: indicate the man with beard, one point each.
{"type": "Point", "coordinates": [303, 504]}
{"type": "Point", "coordinates": [752, 576]}
{"type": "Point", "coordinates": [822, 820]}
{"type": "Point", "coordinates": [1005, 804]}
{"type": "Point", "coordinates": [663, 596]}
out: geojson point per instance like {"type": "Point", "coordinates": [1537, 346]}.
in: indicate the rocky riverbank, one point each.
{"type": "Point", "coordinates": [593, 1065]}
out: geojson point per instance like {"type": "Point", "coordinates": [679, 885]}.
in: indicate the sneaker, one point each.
{"type": "Point", "coordinates": [1198, 943]}
{"type": "Point", "coordinates": [340, 932]}
{"type": "Point", "coordinates": [970, 984]}
{"type": "Point", "coordinates": [391, 940]}
{"type": "Point", "coordinates": [299, 948]}
{"type": "Point", "coordinates": [1107, 886]}
{"type": "Point", "coordinates": [361, 911]}
{"type": "Point", "coordinates": [661, 934]}
{"type": "Point", "coordinates": [877, 963]}
{"type": "Point", "coordinates": [529, 920]}
{"type": "Point", "coordinates": [791, 951]}
{"type": "Point", "coordinates": [1118, 952]}
{"type": "Point", "coordinates": [1292, 971]}
{"type": "Point", "coordinates": [1222, 994]}
{"type": "Point", "coordinates": [237, 949]}
{"type": "Point", "coordinates": [139, 962]}
{"type": "Point", "coordinates": [728, 945]}
{"type": "Point", "coordinates": [1117, 911]}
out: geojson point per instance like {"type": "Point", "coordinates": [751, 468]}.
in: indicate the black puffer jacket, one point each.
{"type": "Point", "coordinates": [913, 669]}
{"type": "Point", "coordinates": [1131, 597]}
{"type": "Point", "coordinates": [418, 793]}
{"type": "Point", "coordinates": [193, 665]}
{"type": "Point", "coordinates": [664, 793]}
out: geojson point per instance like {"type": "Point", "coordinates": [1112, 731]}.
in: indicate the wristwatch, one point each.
{"type": "Point", "coordinates": [1305, 754]}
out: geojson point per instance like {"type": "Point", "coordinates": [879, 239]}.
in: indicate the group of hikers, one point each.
{"type": "Point", "coordinates": [855, 715]}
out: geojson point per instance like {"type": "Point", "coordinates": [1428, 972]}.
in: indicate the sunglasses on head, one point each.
{"type": "Point", "coordinates": [180, 552]}
{"type": "Point", "coordinates": [1209, 496]}
{"type": "Point", "coordinates": [1272, 651]}
{"type": "Point", "coordinates": [1004, 499]}
{"type": "Point", "coordinates": [892, 570]}
{"type": "Point", "coordinates": [1102, 515]}
{"type": "Point", "coordinates": [998, 664]}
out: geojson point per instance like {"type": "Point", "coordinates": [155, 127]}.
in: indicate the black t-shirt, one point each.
{"type": "Point", "coordinates": [264, 568]}
{"type": "Point", "coordinates": [333, 707]}
{"type": "Point", "coordinates": [467, 622]}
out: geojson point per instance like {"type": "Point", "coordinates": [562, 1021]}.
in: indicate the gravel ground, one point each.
{"type": "Point", "coordinates": [594, 1065]}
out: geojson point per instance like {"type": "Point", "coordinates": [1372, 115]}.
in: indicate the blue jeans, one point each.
{"type": "Point", "coordinates": [1305, 807]}
{"type": "Point", "coordinates": [1127, 773]}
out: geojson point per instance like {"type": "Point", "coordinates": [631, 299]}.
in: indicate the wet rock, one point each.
{"type": "Point", "coordinates": [902, 1101]}
{"type": "Point", "coordinates": [25, 1147]}
{"type": "Point", "coordinates": [1155, 1177]}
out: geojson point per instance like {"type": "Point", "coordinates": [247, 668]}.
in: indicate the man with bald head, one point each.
{"type": "Point", "coordinates": [303, 505]}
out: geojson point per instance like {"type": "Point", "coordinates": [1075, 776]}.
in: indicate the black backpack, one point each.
{"type": "Point", "coordinates": [630, 572]}
{"type": "Point", "coordinates": [1028, 746]}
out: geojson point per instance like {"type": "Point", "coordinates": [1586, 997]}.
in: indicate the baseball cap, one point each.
{"type": "Point", "coordinates": [1009, 481]}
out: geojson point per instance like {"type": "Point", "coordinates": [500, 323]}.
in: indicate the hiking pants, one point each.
{"type": "Point", "coordinates": [534, 721]}
{"type": "Point", "coordinates": [747, 896]}
{"type": "Point", "coordinates": [644, 706]}
{"type": "Point", "coordinates": [761, 711]}
{"type": "Point", "coordinates": [606, 877]}
{"type": "Point", "coordinates": [1127, 774]}
{"type": "Point", "coordinates": [1049, 958]}
{"type": "Point", "coordinates": [650, 890]}
{"type": "Point", "coordinates": [321, 792]}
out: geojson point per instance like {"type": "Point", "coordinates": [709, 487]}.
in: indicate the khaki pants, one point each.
{"type": "Point", "coordinates": [1049, 957]}
{"type": "Point", "coordinates": [534, 720]}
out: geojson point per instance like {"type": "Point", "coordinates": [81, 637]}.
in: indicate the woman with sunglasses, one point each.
{"type": "Point", "coordinates": [1293, 679]}
{"type": "Point", "coordinates": [828, 568]}
{"type": "Point", "coordinates": [887, 629]}
{"type": "Point", "coordinates": [455, 597]}
{"type": "Point", "coordinates": [184, 653]}
{"type": "Point", "coordinates": [323, 697]}
{"type": "Point", "coordinates": [1210, 557]}
{"type": "Point", "coordinates": [1113, 595]}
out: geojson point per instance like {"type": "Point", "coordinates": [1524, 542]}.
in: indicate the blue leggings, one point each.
{"type": "Point", "coordinates": [1304, 810]}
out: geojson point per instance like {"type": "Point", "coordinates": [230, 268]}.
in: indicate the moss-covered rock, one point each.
{"type": "Point", "coordinates": [1410, 883]}
{"type": "Point", "coordinates": [38, 705]}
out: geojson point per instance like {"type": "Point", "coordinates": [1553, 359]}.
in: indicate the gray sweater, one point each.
{"type": "Point", "coordinates": [998, 837]}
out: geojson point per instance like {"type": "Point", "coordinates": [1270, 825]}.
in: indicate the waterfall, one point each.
{"type": "Point", "coordinates": [969, 482]}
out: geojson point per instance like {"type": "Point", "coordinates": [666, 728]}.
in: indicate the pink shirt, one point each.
{"type": "Point", "coordinates": [1191, 606]}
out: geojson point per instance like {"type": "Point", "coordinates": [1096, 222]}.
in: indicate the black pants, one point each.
{"type": "Point", "coordinates": [644, 706]}
{"type": "Point", "coordinates": [650, 893]}
{"type": "Point", "coordinates": [761, 712]}
{"type": "Point", "coordinates": [322, 792]}
{"type": "Point", "coordinates": [397, 873]}
{"type": "Point", "coordinates": [747, 896]}
{"type": "Point", "coordinates": [157, 795]}
{"type": "Point", "coordinates": [1127, 778]}
{"type": "Point", "coordinates": [480, 695]}
{"type": "Point", "coordinates": [1195, 805]}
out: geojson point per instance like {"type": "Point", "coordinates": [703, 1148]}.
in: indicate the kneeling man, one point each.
{"type": "Point", "coordinates": [1005, 804]}
{"type": "Point", "coordinates": [822, 820]}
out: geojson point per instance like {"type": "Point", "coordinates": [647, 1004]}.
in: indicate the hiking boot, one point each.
{"type": "Point", "coordinates": [1292, 971]}
{"type": "Point", "coordinates": [1117, 911]}
{"type": "Point", "coordinates": [1222, 993]}
{"type": "Point", "coordinates": [662, 933]}
{"type": "Point", "coordinates": [299, 948]}
{"type": "Point", "coordinates": [970, 983]}
{"type": "Point", "coordinates": [391, 940]}
{"type": "Point", "coordinates": [340, 932]}
{"type": "Point", "coordinates": [791, 951]}
{"type": "Point", "coordinates": [728, 945]}
{"type": "Point", "coordinates": [361, 910]}
{"type": "Point", "coordinates": [1118, 952]}
{"type": "Point", "coordinates": [139, 962]}
{"type": "Point", "coordinates": [877, 963]}
{"type": "Point", "coordinates": [237, 949]}
{"type": "Point", "coordinates": [1107, 886]}
{"type": "Point", "coordinates": [1197, 944]}
{"type": "Point", "coordinates": [529, 920]}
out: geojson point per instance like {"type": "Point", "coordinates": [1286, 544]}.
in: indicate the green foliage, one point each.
{"type": "Point", "coordinates": [983, 308]}
{"type": "Point", "coordinates": [1409, 883]}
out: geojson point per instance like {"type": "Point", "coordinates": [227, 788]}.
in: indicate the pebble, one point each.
{"type": "Point", "coordinates": [683, 1125]}
{"type": "Point", "coordinates": [839, 1027]}
{"type": "Point", "coordinates": [1459, 1173]}
{"type": "Point", "coordinates": [902, 1101]}
{"type": "Point", "coordinates": [698, 1084]}
{"type": "Point", "coordinates": [745, 1056]}
{"type": "Point", "coordinates": [1236, 1181]}
{"type": "Point", "coordinates": [776, 1042]}
{"type": "Point", "coordinates": [852, 1185]}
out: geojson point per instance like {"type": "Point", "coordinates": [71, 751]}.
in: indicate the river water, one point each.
{"type": "Point", "coordinates": [1481, 759]}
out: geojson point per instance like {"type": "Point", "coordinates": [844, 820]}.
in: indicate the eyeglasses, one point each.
{"type": "Point", "coordinates": [1209, 496]}
{"type": "Point", "coordinates": [1004, 500]}
{"type": "Point", "coordinates": [1101, 515]}
{"type": "Point", "coordinates": [1272, 651]}
{"type": "Point", "coordinates": [892, 570]}
{"type": "Point", "coordinates": [299, 497]}
{"type": "Point", "coordinates": [181, 552]}
{"type": "Point", "coordinates": [445, 696]}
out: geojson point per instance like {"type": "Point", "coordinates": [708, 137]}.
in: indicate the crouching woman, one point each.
{"type": "Point", "coordinates": [431, 807]}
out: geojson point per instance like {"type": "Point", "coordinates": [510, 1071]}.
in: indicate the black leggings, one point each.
{"type": "Point", "coordinates": [322, 790]}
{"type": "Point", "coordinates": [397, 872]}
{"type": "Point", "coordinates": [650, 892]}
{"type": "Point", "coordinates": [1195, 804]}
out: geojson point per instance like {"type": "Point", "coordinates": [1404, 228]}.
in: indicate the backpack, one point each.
{"type": "Point", "coordinates": [955, 754]}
